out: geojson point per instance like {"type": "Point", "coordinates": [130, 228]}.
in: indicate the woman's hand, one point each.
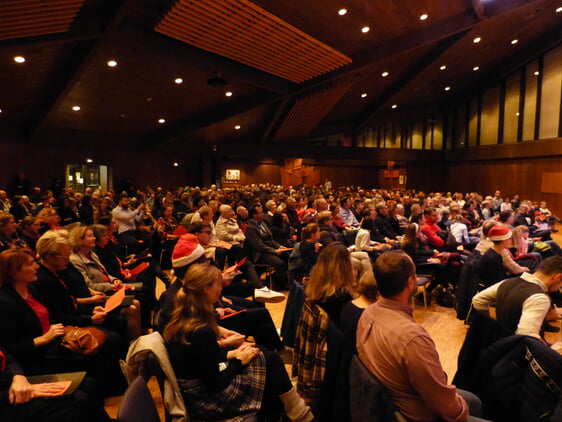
{"type": "Point", "coordinates": [55, 331]}
{"type": "Point", "coordinates": [246, 353]}
{"type": "Point", "coordinates": [117, 284]}
{"type": "Point", "coordinates": [20, 390]}
{"type": "Point", "coordinates": [98, 316]}
{"type": "Point", "coordinates": [230, 339]}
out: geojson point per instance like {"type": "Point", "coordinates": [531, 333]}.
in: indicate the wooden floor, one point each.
{"type": "Point", "coordinates": [446, 330]}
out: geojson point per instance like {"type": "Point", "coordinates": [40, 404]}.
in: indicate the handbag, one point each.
{"type": "Point", "coordinates": [84, 341]}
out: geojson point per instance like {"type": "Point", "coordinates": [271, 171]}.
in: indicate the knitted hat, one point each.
{"type": "Point", "coordinates": [499, 232]}
{"type": "Point", "coordinates": [186, 251]}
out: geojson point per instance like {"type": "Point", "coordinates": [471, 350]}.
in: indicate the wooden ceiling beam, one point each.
{"type": "Point", "coordinates": [78, 64]}
{"type": "Point", "coordinates": [426, 61]}
{"type": "Point", "coordinates": [274, 122]}
{"type": "Point", "coordinates": [218, 114]}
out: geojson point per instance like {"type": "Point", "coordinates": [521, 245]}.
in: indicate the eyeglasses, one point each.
{"type": "Point", "coordinates": [65, 257]}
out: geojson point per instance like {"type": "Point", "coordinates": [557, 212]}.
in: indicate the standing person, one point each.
{"type": "Point", "coordinates": [127, 219]}
{"type": "Point", "coordinates": [407, 364]}
{"type": "Point", "coordinates": [253, 381]}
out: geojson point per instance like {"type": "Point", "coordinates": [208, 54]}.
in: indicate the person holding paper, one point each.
{"type": "Point", "coordinates": [18, 398]}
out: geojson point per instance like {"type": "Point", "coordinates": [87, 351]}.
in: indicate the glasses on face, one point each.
{"type": "Point", "coordinates": [65, 257]}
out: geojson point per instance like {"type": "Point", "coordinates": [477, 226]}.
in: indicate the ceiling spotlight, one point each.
{"type": "Point", "coordinates": [0, 111]}
{"type": "Point", "coordinates": [161, 121]}
{"type": "Point", "coordinates": [559, 10]}
{"type": "Point", "coordinates": [517, 114]}
{"type": "Point", "coordinates": [475, 68]}
{"type": "Point", "coordinates": [122, 115]}
{"type": "Point", "coordinates": [76, 108]}
{"type": "Point", "coordinates": [237, 127]}
{"type": "Point", "coordinates": [443, 67]}
{"type": "Point", "coordinates": [228, 93]}
{"type": "Point", "coordinates": [111, 63]}
{"type": "Point", "coordinates": [536, 73]}
{"type": "Point", "coordinates": [394, 105]}
{"type": "Point", "coordinates": [363, 95]}
{"type": "Point", "coordinates": [476, 40]}
{"type": "Point", "coordinates": [176, 164]}
{"type": "Point", "coordinates": [19, 59]}
{"type": "Point", "coordinates": [178, 80]}
{"type": "Point", "coordinates": [149, 99]}
{"type": "Point", "coordinates": [342, 12]}
{"type": "Point", "coordinates": [384, 74]}
{"type": "Point", "coordinates": [89, 160]}
{"type": "Point", "coordinates": [515, 41]}
{"type": "Point", "coordinates": [365, 29]}
{"type": "Point", "coordinates": [423, 17]}
{"type": "Point", "coordinates": [447, 88]}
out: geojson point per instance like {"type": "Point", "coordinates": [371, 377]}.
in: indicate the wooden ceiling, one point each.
{"type": "Point", "coordinates": [295, 69]}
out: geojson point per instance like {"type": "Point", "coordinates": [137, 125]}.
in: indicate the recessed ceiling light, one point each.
{"type": "Point", "coordinates": [178, 80]}
{"type": "Point", "coordinates": [111, 63]}
{"type": "Point", "coordinates": [447, 88]}
{"type": "Point", "coordinates": [342, 12]}
{"type": "Point", "coordinates": [122, 114]}
{"type": "Point", "coordinates": [237, 127]}
{"type": "Point", "coordinates": [423, 17]}
{"type": "Point", "coordinates": [536, 73]}
{"type": "Point", "coordinates": [19, 59]}
{"type": "Point", "coordinates": [384, 74]}
{"type": "Point", "coordinates": [363, 95]}
{"type": "Point", "coordinates": [559, 10]}
{"type": "Point", "coordinates": [161, 121]}
{"type": "Point", "coordinates": [176, 164]}
{"type": "Point", "coordinates": [76, 108]}
{"type": "Point", "coordinates": [365, 29]}
{"type": "Point", "coordinates": [443, 67]}
{"type": "Point", "coordinates": [517, 114]}
{"type": "Point", "coordinates": [515, 41]}
{"type": "Point", "coordinates": [89, 160]}
{"type": "Point", "coordinates": [228, 93]}
{"type": "Point", "coordinates": [0, 111]}
{"type": "Point", "coordinates": [148, 99]}
{"type": "Point", "coordinates": [394, 105]}
{"type": "Point", "coordinates": [475, 68]}
{"type": "Point", "coordinates": [476, 40]}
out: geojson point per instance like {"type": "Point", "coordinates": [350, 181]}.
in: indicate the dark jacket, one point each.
{"type": "Point", "coordinates": [259, 240]}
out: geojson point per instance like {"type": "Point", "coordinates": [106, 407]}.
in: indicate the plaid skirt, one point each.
{"type": "Point", "coordinates": [241, 398]}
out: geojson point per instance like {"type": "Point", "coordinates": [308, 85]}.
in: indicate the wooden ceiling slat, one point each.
{"type": "Point", "coordinates": [225, 50]}
{"type": "Point", "coordinates": [33, 21]}
{"type": "Point", "coordinates": [36, 6]}
{"type": "Point", "coordinates": [30, 33]}
{"type": "Point", "coordinates": [242, 31]}
{"type": "Point", "coordinates": [39, 13]}
{"type": "Point", "coordinates": [308, 111]}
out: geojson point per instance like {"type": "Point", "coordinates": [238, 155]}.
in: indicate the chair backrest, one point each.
{"type": "Point", "coordinates": [369, 399]}
{"type": "Point", "coordinates": [137, 404]}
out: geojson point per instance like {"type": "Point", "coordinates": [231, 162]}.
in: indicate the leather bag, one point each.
{"type": "Point", "coordinates": [84, 341]}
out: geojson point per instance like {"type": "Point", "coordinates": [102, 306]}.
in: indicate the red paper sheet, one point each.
{"type": "Point", "coordinates": [115, 300]}
{"type": "Point", "coordinates": [235, 267]}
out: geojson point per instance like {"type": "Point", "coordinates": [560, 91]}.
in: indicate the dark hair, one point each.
{"type": "Point", "coordinates": [367, 223]}
{"type": "Point", "coordinates": [551, 265]}
{"type": "Point", "coordinates": [504, 216]}
{"type": "Point", "coordinates": [197, 227]}
{"type": "Point", "coordinates": [428, 211]}
{"type": "Point", "coordinates": [253, 210]}
{"type": "Point", "coordinates": [392, 270]}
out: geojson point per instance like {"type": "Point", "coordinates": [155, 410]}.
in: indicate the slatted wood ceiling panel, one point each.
{"type": "Point", "coordinates": [243, 31]}
{"type": "Point", "coordinates": [307, 112]}
{"type": "Point", "coordinates": [27, 18]}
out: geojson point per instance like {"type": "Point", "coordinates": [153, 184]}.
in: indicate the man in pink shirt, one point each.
{"type": "Point", "coordinates": [402, 355]}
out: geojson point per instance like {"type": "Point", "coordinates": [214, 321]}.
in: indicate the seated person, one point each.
{"type": "Point", "coordinates": [252, 382]}
{"type": "Point", "coordinates": [368, 294]}
{"type": "Point", "coordinates": [364, 243]}
{"type": "Point", "coordinates": [489, 268]}
{"type": "Point", "coordinates": [407, 364]}
{"type": "Point", "coordinates": [522, 303]}
{"type": "Point", "coordinates": [309, 247]}
{"type": "Point", "coordinates": [21, 401]}
{"type": "Point", "coordinates": [460, 231]}
{"type": "Point", "coordinates": [253, 286]}
{"type": "Point", "coordinates": [430, 229]}
{"type": "Point", "coordinates": [331, 281]}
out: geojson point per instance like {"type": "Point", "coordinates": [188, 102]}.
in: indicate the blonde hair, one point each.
{"type": "Point", "coordinates": [367, 286]}
{"type": "Point", "coordinates": [50, 242]}
{"type": "Point", "coordinates": [192, 309]}
{"type": "Point", "coordinates": [332, 273]}
{"type": "Point", "coordinates": [76, 235]}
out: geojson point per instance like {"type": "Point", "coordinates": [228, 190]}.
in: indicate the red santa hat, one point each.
{"type": "Point", "coordinates": [499, 232]}
{"type": "Point", "coordinates": [186, 251]}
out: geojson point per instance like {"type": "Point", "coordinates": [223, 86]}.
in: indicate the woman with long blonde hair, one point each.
{"type": "Point", "coordinates": [252, 381]}
{"type": "Point", "coordinates": [331, 280]}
